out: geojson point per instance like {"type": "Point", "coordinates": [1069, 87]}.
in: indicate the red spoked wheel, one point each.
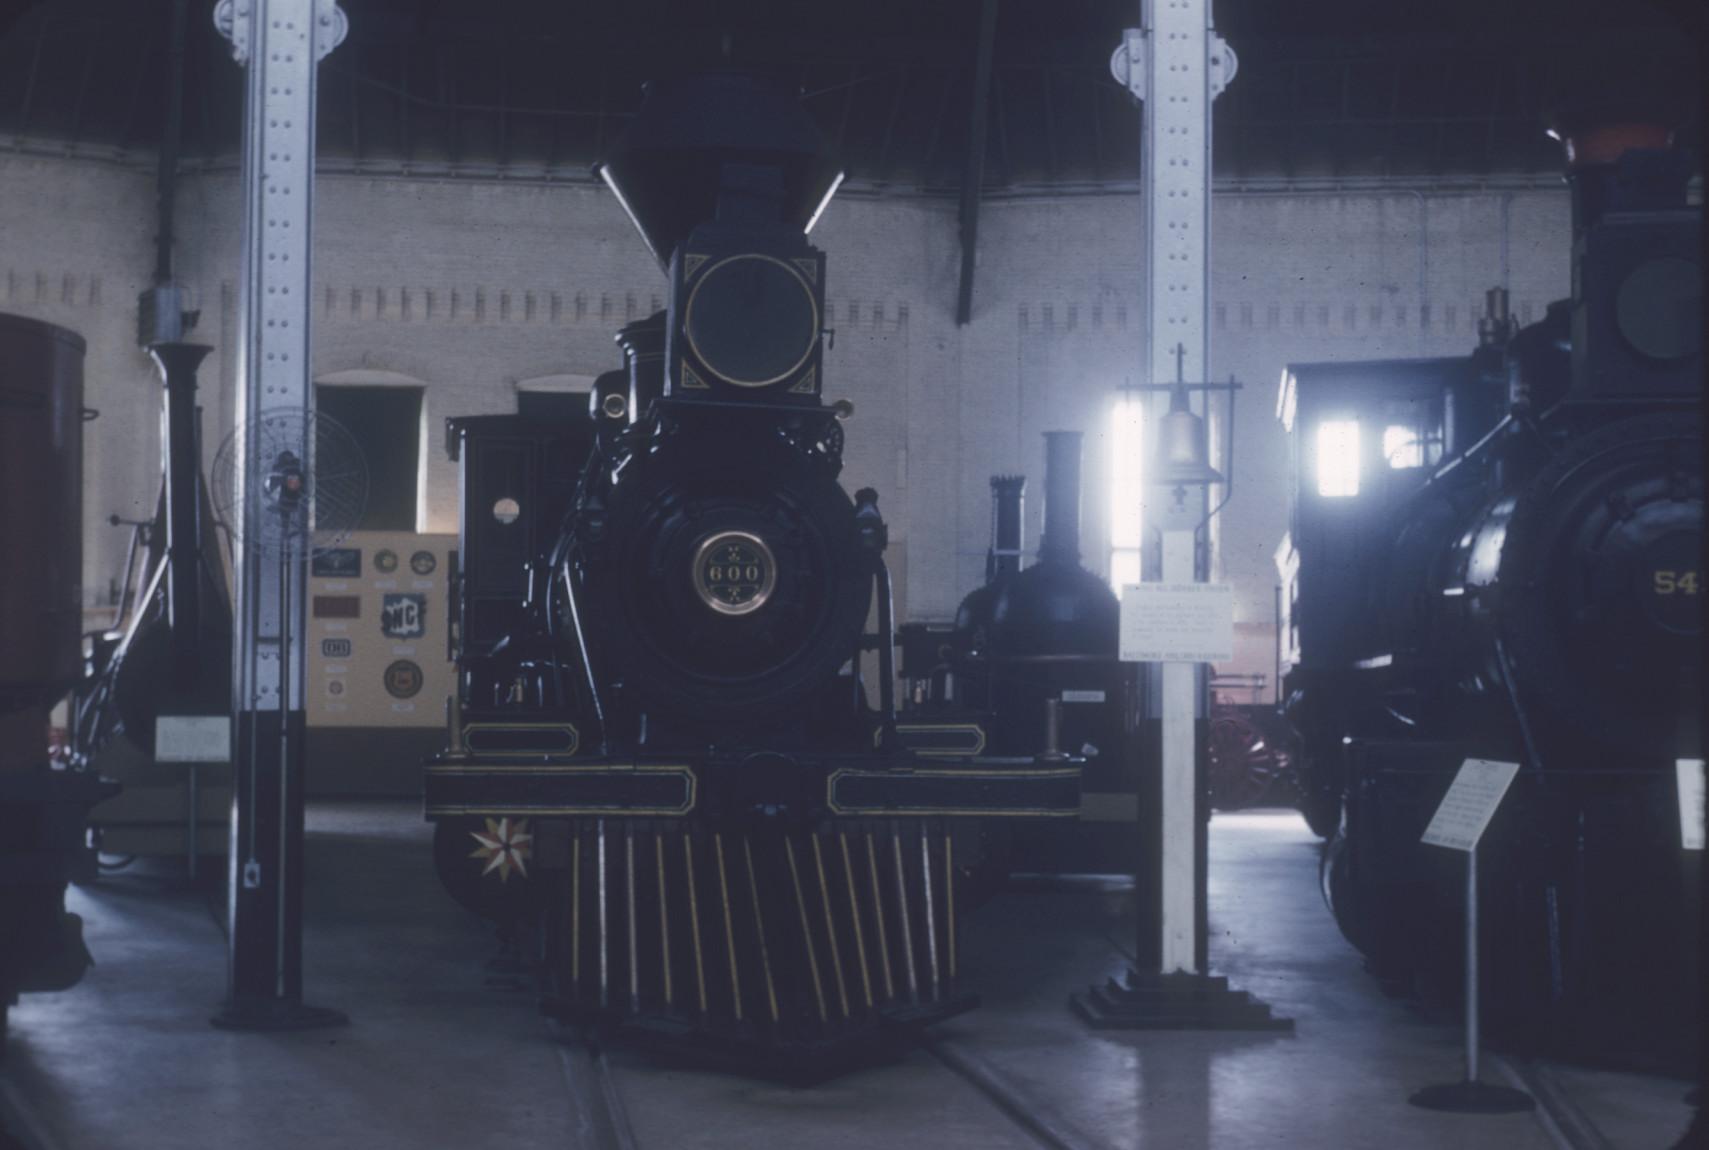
{"type": "Point", "coordinates": [1245, 762]}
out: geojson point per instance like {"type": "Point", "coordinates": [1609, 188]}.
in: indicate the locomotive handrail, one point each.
{"type": "Point", "coordinates": [1533, 759]}
{"type": "Point", "coordinates": [886, 650]}
{"type": "Point", "coordinates": [1442, 473]}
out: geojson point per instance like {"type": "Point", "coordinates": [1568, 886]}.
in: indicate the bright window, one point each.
{"type": "Point", "coordinates": [1127, 489]}
{"type": "Point", "coordinates": [1338, 458]}
{"type": "Point", "coordinates": [1402, 446]}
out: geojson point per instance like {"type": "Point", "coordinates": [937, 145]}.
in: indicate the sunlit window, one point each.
{"type": "Point", "coordinates": [1338, 458]}
{"type": "Point", "coordinates": [1127, 491]}
{"type": "Point", "coordinates": [1402, 446]}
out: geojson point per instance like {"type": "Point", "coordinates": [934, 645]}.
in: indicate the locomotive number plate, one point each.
{"type": "Point", "coordinates": [734, 572]}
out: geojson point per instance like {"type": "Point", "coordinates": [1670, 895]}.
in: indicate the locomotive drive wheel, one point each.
{"type": "Point", "coordinates": [1243, 763]}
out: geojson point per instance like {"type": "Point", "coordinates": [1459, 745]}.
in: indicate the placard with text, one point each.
{"type": "Point", "coordinates": [1177, 623]}
{"type": "Point", "coordinates": [1465, 811]}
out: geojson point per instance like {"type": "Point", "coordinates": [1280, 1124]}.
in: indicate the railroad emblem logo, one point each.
{"type": "Point", "coordinates": [337, 563]}
{"type": "Point", "coordinates": [335, 648]}
{"type": "Point", "coordinates": [423, 562]}
{"type": "Point", "coordinates": [403, 679]}
{"type": "Point", "coordinates": [403, 616]}
{"type": "Point", "coordinates": [386, 561]}
{"type": "Point", "coordinates": [505, 846]}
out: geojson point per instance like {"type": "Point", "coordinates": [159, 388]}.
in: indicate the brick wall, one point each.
{"type": "Point", "coordinates": [470, 288]}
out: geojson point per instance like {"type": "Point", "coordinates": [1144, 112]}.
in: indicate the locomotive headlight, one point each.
{"type": "Point", "coordinates": [734, 572]}
{"type": "Point", "coordinates": [752, 319]}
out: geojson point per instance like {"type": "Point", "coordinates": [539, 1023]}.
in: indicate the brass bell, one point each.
{"type": "Point", "coordinates": [1183, 452]}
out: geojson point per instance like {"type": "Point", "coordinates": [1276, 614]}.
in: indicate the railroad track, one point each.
{"type": "Point", "coordinates": [603, 1122]}
{"type": "Point", "coordinates": [601, 1116]}
{"type": "Point", "coordinates": [1015, 1116]}
{"type": "Point", "coordinates": [1558, 1110]}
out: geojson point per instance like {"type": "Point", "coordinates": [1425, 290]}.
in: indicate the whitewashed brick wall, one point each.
{"type": "Point", "coordinates": [470, 287]}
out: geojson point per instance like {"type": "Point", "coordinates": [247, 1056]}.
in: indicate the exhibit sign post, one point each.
{"type": "Point", "coordinates": [1179, 627]}
{"type": "Point", "coordinates": [1459, 824]}
{"type": "Point", "coordinates": [193, 741]}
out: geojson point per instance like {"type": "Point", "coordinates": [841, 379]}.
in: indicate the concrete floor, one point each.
{"type": "Point", "coordinates": [442, 1053]}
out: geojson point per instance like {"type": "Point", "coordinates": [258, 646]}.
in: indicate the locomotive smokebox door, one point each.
{"type": "Point", "coordinates": [747, 306]}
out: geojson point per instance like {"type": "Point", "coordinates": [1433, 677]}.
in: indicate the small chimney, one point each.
{"type": "Point", "coordinates": [1495, 326]}
{"type": "Point", "coordinates": [1061, 535]}
{"type": "Point", "coordinates": [1007, 494]}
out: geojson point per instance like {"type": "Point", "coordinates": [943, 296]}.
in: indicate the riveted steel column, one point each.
{"type": "Point", "coordinates": [1176, 65]}
{"type": "Point", "coordinates": [280, 44]}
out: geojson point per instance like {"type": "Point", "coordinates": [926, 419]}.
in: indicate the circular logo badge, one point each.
{"type": "Point", "coordinates": [734, 572]}
{"type": "Point", "coordinates": [386, 561]}
{"type": "Point", "coordinates": [403, 679]}
{"type": "Point", "coordinates": [335, 687]}
{"type": "Point", "coordinates": [423, 562]}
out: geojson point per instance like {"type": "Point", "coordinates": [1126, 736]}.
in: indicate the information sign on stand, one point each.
{"type": "Point", "coordinates": [1465, 811]}
{"type": "Point", "coordinates": [192, 741]}
{"type": "Point", "coordinates": [1691, 787]}
{"type": "Point", "coordinates": [1177, 623]}
{"type": "Point", "coordinates": [1459, 824]}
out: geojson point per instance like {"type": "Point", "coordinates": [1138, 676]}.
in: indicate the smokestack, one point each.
{"type": "Point", "coordinates": [178, 363]}
{"type": "Point", "coordinates": [1061, 536]}
{"type": "Point", "coordinates": [1620, 159]}
{"type": "Point", "coordinates": [1004, 559]}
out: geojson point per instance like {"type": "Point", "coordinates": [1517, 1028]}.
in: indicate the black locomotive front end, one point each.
{"type": "Point", "coordinates": [665, 777]}
{"type": "Point", "coordinates": [1517, 576]}
{"type": "Point", "coordinates": [735, 571]}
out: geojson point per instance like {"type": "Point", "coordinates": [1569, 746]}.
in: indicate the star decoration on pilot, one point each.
{"type": "Point", "coordinates": [506, 846]}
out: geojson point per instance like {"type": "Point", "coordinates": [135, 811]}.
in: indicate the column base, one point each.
{"type": "Point", "coordinates": [1178, 1001]}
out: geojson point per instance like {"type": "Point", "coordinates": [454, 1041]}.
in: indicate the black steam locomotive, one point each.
{"type": "Point", "coordinates": [1022, 640]}
{"type": "Point", "coordinates": [44, 801]}
{"type": "Point", "coordinates": [665, 777]}
{"type": "Point", "coordinates": [1498, 557]}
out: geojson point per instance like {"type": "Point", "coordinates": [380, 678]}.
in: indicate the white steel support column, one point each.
{"type": "Point", "coordinates": [280, 44]}
{"type": "Point", "coordinates": [1176, 65]}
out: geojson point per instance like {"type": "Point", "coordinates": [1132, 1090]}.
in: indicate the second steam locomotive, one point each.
{"type": "Point", "coordinates": [1498, 557]}
{"type": "Point", "coordinates": [666, 778]}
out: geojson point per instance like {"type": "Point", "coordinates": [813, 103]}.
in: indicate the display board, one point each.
{"type": "Point", "coordinates": [1177, 623]}
{"type": "Point", "coordinates": [377, 655]}
{"type": "Point", "coordinates": [192, 739]}
{"type": "Point", "coordinates": [1463, 816]}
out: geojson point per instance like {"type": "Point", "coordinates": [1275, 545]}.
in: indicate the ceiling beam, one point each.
{"type": "Point", "coordinates": [974, 174]}
{"type": "Point", "coordinates": [884, 148]}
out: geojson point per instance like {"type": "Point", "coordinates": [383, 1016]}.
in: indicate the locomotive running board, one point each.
{"type": "Point", "coordinates": [484, 786]}
{"type": "Point", "coordinates": [973, 790]}
{"type": "Point", "coordinates": [469, 787]}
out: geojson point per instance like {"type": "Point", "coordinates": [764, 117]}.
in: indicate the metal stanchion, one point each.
{"type": "Point", "coordinates": [1471, 1096]}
